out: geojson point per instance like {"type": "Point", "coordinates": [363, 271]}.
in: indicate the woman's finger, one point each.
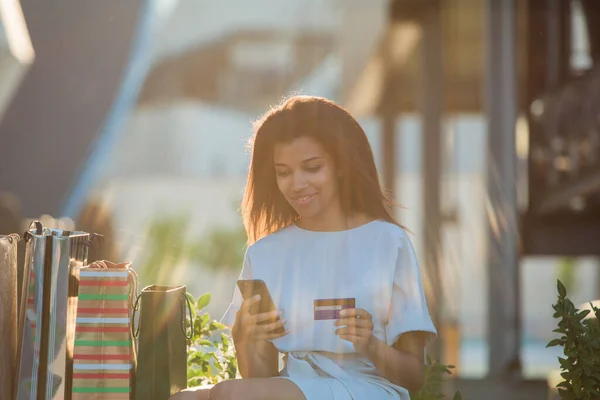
{"type": "Point", "coordinates": [266, 328]}
{"type": "Point", "coordinates": [350, 338]}
{"type": "Point", "coordinates": [353, 331]}
{"type": "Point", "coordinates": [270, 336]}
{"type": "Point", "coordinates": [359, 322]}
{"type": "Point", "coordinates": [268, 316]}
{"type": "Point", "coordinates": [356, 313]}
{"type": "Point", "coordinates": [249, 321]}
{"type": "Point", "coordinates": [246, 304]}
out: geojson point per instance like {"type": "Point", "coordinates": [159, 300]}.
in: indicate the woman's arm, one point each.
{"type": "Point", "coordinates": [401, 363]}
{"type": "Point", "coordinates": [259, 359]}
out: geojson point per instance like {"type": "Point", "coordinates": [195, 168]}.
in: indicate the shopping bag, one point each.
{"type": "Point", "coordinates": [8, 314]}
{"type": "Point", "coordinates": [163, 335]}
{"type": "Point", "coordinates": [47, 311]}
{"type": "Point", "coordinates": [105, 356]}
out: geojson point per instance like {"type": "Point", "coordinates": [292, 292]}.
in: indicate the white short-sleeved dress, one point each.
{"type": "Point", "coordinates": [374, 263]}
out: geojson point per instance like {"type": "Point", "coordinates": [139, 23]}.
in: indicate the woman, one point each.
{"type": "Point", "coordinates": [320, 227]}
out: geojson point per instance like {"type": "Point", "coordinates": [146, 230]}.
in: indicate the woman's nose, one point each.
{"type": "Point", "coordinates": [299, 181]}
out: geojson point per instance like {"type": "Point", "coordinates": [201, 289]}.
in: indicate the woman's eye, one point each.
{"type": "Point", "coordinates": [314, 168]}
{"type": "Point", "coordinates": [282, 173]}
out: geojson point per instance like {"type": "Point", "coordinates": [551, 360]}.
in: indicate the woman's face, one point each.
{"type": "Point", "coordinates": [306, 177]}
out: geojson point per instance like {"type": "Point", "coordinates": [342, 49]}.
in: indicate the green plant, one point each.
{"type": "Point", "coordinates": [211, 356]}
{"type": "Point", "coordinates": [434, 378]}
{"type": "Point", "coordinates": [580, 340]}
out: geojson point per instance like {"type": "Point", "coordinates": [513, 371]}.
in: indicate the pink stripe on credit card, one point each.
{"type": "Point", "coordinates": [330, 308]}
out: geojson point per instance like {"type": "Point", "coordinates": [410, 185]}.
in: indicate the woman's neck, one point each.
{"type": "Point", "coordinates": [333, 222]}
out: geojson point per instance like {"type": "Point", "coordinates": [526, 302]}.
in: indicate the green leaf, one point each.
{"type": "Point", "coordinates": [457, 396]}
{"type": "Point", "coordinates": [214, 325]}
{"type": "Point", "coordinates": [583, 314]}
{"type": "Point", "coordinates": [225, 339]}
{"type": "Point", "coordinates": [562, 291]}
{"type": "Point", "coordinates": [203, 301]}
{"type": "Point", "coordinates": [201, 324]}
{"type": "Point", "coordinates": [555, 342]}
{"type": "Point", "coordinates": [192, 301]}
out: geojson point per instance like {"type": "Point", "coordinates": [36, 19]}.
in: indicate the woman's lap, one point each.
{"type": "Point", "coordinates": [258, 388]}
{"type": "Point", "coordinates": [321, 388]}
{"type": "Point", "coordinates": [285, 388]}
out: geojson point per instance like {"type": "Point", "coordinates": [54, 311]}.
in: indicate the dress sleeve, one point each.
{"type": "Point", "coordinates": [408, 309]}
{"type": "Point", "coordinates": [229, 316]}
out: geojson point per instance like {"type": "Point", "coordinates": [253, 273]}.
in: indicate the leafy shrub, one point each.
{"type": "Point", "coordinates": [580, 340]}
{"type": "Point", "coordinates": [211, 356]}
{"type": "Point", "coordinates": [434, 379]}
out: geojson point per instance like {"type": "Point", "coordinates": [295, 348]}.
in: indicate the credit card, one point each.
{"type": "Point", "coordinates": [330, 308]}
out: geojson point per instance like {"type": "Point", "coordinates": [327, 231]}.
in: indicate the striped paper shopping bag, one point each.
{"type": "Point", "coordinates": [104, 359]}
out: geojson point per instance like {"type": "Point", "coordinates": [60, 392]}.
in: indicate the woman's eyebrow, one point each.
{"type": "Point", "coordinates": [303, 161]}
{"type": "Point", "coordinates": [311, 159]}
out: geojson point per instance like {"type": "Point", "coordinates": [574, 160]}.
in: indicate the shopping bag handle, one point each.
{"type": "Point", "coordinates": [184, 319]}
{"type": "Point", "coordinates": [136, 307]}
{"type": "Point", "coordinates": [39, 229]}
{"type": "Point", "coordinates": [13, 237]}
{"type": "Point", "coordinates": [135, 282]}
{"type": "Point", "coordinates": [94, 238]}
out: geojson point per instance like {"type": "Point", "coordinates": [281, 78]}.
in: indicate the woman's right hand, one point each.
{"type": "Point", "coordinates": [251, 328]}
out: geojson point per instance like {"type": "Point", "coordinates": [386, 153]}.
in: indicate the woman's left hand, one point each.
{"type": "Point", "coordinates": [357, 328]}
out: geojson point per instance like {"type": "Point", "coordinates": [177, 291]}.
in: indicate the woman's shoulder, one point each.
{"type": "Point", "coordinates": [388, 229]}
{"type": "Point", "coordinates": [272, 241]}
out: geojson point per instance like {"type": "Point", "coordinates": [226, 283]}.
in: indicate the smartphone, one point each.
{"type": "Point", "coordinates": [252, 287]}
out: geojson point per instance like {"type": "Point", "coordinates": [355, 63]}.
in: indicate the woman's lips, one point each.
{"type": "Point", "coordinates": [304, 200]}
